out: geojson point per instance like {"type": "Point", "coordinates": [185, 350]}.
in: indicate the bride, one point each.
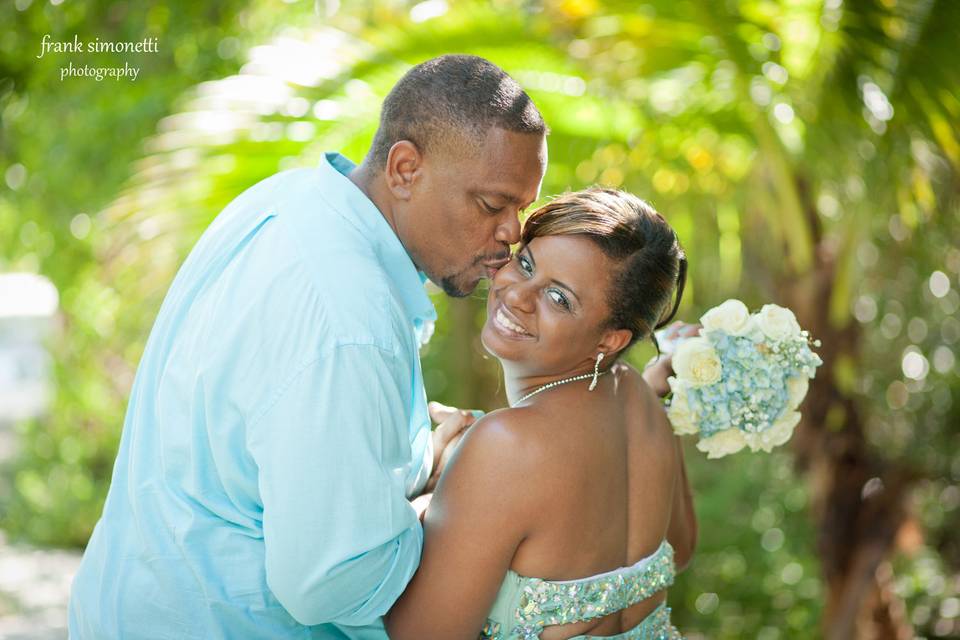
{"type": "Point", "coordinates": [567, 514]}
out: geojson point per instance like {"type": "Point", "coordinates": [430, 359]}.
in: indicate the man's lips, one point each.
{"type": "Point", "coordinates": [493, 267]}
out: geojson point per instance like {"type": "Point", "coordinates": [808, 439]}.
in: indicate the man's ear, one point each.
{"type": "Point", "coordinates": [614, 340]}
{"type": "Point", "coordinates": [404, 162]}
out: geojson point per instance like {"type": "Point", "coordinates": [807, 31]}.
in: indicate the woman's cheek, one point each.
{"type": "Point", "coordinates": [504, 275]}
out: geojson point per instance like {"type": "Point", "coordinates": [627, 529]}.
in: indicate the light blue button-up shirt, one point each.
{"type": "Point", "coordinates": [276, 427]}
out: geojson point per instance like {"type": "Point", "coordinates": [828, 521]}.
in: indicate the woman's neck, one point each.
{"type": "Point", "coordinates": [518, 384]}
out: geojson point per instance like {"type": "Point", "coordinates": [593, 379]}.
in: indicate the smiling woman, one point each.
{"type": "Point", "coordinates": [620, 225]}
{"type": "Point", "coordinates": [523, 511]}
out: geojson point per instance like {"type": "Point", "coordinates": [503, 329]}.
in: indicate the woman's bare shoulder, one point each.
{"type": "Point", "coordinates": [509, 433]}
{"type": "Point", "coordinates": [495, 468]}
{"type": "Point", "coordinates": [649, 403]}
{"type": "Point", "coordinates": [630, 378]}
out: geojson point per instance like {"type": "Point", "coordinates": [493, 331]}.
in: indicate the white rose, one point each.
{"type": "Point", "coordinates": [797, 387]}
{"type": "Point", "coordinates": [682, 418]}
{"type": "Point", "coordinates": [696, 362]}
{"type": "Point", "coordinates": [731, 317]}
{"type": "Point", "coordinates": [722, 443]}
{"type": "Point", "coordinates": [777, 323]}
{"type": "Point", "coordinates": [778, 433]}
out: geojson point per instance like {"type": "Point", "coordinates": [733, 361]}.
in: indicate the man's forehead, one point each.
{"type": "Point", "coordinates": [505, 165]}
{"type": "Point", "coordinates": [513, 175]}
{"type": "Point", "coordinates": [503, 148]}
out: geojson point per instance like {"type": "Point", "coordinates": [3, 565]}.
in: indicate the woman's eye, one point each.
{"type": "Point", "coordinates": [559, 298]}
{"type": "Point", "coordinates": [524, 264]}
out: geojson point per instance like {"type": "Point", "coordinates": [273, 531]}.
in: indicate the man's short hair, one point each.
{"type": "Point", "coordinates": [451, 99]}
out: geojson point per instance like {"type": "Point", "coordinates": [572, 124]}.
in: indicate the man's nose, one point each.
{"type": "Point", "coordinates": [508, 231]}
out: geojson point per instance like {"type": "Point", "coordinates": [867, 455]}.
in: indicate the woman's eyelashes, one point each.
{"type": "Point", "coordinates": [559, 299]}
{"type": "Point", "coordinates": [525, 264]}
{"type": "Point", "coordinates": [555, 295]}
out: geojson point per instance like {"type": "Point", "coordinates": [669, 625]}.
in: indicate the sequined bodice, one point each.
{"type": "Point", "coordinates": [524, 606]}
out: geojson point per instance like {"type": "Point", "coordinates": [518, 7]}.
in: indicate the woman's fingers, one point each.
{"type": "Point", "coordinates": [451, 419]}
{"type": "Point", "coordinates": [453, 422]}
{"type": "Point", "coordinates": [690, 330]}
{"type": "Point", "coordinates": [440, 412]}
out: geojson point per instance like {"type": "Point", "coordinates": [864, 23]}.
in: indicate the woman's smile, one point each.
{"type": "Point", "coordinates": [506, 324]}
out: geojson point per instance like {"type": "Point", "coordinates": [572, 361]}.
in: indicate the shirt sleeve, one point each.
{"type": "Point", "coordinates": [341, 540]}
{"type": "Point", "coordinates": [420, 472]}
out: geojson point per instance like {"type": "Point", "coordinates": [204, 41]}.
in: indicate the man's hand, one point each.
{"type": "Point", "coordinates": [659, 369]}
{"type": "Point", "coordinates": [451, 423]}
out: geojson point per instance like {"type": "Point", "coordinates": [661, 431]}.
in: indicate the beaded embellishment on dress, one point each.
{"type": "Point", "coordinates": [533, 603]}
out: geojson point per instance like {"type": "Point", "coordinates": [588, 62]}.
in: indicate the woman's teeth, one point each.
{"type": "Point", "coordinates": [501, 319]}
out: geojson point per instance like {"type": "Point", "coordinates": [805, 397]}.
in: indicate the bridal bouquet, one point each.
{"type": "Point", "coordinates": [739, 383]}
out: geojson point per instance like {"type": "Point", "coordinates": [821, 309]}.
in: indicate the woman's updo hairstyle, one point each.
{"type": "Point", "coordinates": [649, 259]}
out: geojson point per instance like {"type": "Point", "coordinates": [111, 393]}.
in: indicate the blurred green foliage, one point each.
{"type": "Point", "coordinates": [66, 150]}
{"type": "Point", "coordinates": [729, 117]}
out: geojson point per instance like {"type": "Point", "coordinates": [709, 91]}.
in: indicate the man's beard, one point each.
{"type": "Point", "coordinates": [452, 289]}
{"type": "Point", "coordinates": [455, 289]}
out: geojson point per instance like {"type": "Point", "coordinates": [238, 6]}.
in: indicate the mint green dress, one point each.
{"type": "Point", "coordinates": [524, 606]}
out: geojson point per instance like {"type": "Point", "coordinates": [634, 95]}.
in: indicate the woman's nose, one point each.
{"type": "Point", "coordinates": [519, 296]}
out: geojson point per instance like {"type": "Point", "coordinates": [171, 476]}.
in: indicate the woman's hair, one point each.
{"type": "Point", "coordinates": [650, 261]}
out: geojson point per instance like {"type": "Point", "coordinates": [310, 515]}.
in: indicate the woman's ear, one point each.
{"type": "Point", "coordinates": [402, 168]}
{"type": "Point", "coordinates": [614, 340]}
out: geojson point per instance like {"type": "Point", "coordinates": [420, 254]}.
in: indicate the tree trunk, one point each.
{"type": "Point", "coordinates": [858, 502]}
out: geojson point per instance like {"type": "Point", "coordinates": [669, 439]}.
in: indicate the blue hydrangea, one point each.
{"type": "Point", "coordinates": [752, 392]}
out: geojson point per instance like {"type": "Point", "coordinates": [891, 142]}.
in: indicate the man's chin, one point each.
{"type": "Point", "coordinates": [456, 289]}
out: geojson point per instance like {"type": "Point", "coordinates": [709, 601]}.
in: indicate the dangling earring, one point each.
{"type": "Point", "coordinates": [596, 371]}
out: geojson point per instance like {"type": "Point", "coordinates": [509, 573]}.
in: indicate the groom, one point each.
{"type": "Point", "coordinates": [278, 424]}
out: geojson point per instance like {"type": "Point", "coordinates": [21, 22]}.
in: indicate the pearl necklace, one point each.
{"type": "Point", "coordinates": [555, 383]}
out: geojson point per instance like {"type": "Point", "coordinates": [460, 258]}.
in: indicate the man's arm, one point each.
{"type": "Point", "coordinates": [341, 540]}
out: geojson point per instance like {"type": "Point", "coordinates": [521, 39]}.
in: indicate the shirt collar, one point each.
{"type": "Point", "coordinates": [351, 201]}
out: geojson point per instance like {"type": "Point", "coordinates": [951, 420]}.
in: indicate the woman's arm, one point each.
{"type": "Point", "coordinates": [682, 530]}
{"type": "Point", "coordinates": [476, 520]}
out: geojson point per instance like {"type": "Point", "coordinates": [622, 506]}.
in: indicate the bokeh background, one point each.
{"type": "Point", "coordinates": [806, 151]}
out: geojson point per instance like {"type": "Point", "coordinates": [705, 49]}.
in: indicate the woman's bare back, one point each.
{"type": "Point", "coordinates": [605, 474]}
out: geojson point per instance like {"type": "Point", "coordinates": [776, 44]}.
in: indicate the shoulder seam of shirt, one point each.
{"type": "Point", "coordinates": [282, 388]}
{"type": "Point", "coordinates": [375, 259]}
{"type": "Point", "coordinates": [353, 223]}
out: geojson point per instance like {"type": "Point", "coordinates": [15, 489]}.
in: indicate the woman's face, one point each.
{"type": "Point", "coordinates": [547, 307]}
